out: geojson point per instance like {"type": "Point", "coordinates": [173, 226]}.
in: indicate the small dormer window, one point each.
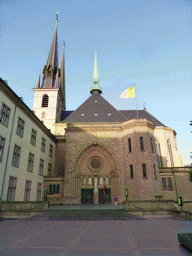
{"type": "Point", "coordinates": [45, 101]}
{"type": "Point", "coordinates": [109, 114]}
{"type": "Point", "coordinates": [82, 114]}
{"type": "Point", "coordinates": [95, 114]}
{"type": "Point", "coordinates": [95, 101]}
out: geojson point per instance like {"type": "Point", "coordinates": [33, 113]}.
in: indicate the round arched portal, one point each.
{"type": "Point", "coordinates": [95, 183]}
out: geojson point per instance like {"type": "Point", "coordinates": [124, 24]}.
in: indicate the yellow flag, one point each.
{"type": "Point", "coordinates": [128, 93]}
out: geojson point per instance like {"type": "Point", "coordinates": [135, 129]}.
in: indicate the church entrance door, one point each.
{"type": "Point", "coordinates": [105, 199]}
{"type": "Point", "coordinates": [87, 196]}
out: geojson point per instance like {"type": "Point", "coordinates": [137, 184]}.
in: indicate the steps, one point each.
{"type": "Point", "coordinates": [88, 212]}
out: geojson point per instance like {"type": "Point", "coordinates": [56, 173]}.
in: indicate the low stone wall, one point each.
{"type": "Point", "coordinates": [152, 205]}
{"type": "Point", "coordinates": [24, 206]}
{"type": "Point", "coordinates": [151, 213]}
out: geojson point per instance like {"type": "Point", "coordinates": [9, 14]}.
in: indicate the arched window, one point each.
{"type": "Point", "coordinates": [101, 181]}
{"type": "Point", "coordinates": [107, 180]}
{"type": "Point", "coordinates": [90, 182]}
{"type": "Point", "coordinates": [84, 181]}
{"type": "Point", "coordinates": [170, 153]}
{"type": "Point", "coordinates": [45, 101]}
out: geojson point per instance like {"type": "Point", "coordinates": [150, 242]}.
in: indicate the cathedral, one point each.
{"type": "Point", "coordinates": [101, 153]}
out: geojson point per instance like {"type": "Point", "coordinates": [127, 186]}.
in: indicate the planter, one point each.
{"type": "Point", "coordinates": [185, 239]}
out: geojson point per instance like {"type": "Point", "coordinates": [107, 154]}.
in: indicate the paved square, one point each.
{"type": "Point", "coordinates": [133, 236]}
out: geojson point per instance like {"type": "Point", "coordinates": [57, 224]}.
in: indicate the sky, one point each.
{"type": "Point", "coordinates": [141, 42]}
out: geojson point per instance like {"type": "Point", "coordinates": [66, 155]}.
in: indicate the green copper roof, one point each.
{"type": "Point", "coordinates": [95, 86]}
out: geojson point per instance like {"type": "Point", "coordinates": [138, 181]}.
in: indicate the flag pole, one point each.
{"type": "Point", "coordinates": [136, 100]}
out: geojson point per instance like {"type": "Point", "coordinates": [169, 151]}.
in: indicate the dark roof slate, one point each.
{"type": "Point", "coordinates": [95, 109]}
{"type": "Point", "coordinates": [65, 114]}
{"type": "Point", "coordinates": [96, 104]}
{"type": "Point", "coordinates": [132, 114]}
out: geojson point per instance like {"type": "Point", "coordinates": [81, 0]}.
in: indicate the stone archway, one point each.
{"type": "Point", "coordinates": [95, 167]}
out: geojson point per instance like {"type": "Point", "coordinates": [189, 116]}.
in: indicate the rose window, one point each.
{"type": "Point", "coordinates": [95, 163]}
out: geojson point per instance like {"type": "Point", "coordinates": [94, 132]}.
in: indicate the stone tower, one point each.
{"type": "Point", "coordinates": [49, 97]}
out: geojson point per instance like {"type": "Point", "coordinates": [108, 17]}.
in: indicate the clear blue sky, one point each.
{"type": "Point", "coordinates": [143, 42]}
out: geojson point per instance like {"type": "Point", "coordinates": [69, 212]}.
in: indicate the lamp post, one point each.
{"type": "Point", "coordinates": [126, 193]}
{"type": "Point", "coordinates": [180, 201]}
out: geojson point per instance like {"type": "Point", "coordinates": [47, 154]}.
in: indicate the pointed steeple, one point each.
{"type": "Point", "coordinates": [57, 80]}
{"type": "Point", "coordinates": [51, 67]}
{"type": "Point", "coordinates": [53, 52]}
{"type": "Point", "coordinates": [62, 76]}
{"type": "Point", "coordinates": [39, 81]}
{"type": "Point", "coordinates": [95, 86]}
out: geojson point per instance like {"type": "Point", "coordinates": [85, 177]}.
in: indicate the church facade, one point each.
{"type": "Point", "coordinates": [101, 152]}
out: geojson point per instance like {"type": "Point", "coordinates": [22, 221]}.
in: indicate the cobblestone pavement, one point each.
{"type": "Point", "coordinates": [38, 235]}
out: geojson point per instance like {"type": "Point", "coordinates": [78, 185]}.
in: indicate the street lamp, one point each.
{"type": "Point", "coordinates": [126, 193]}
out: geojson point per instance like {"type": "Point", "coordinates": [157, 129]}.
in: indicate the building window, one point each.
{"type": "Point", "coordinates": [16, 156]}
{"type": "Point", "coordinates": [170, 186]}
{"type": "Point", "coordinates": [27, 190]}
{"type": "Point", "coordinates": [170, 153]}
{"type": "Point", "coordinates": [11, 189]}
{"type": "Point", "coordinates": [154, 169]}
{"type": "Point", "coordinates": [2, 145]}
{"type": "Point", "coordinates": [101, 181]}
{"type": "Point", "coordinates": [41, 166]}
{"type": "Point", "coordinates": [54, 188]}
{"type": "Point", "coordinates": [131, 170]}
{"type": "Point", "coordinates": [45, 101]}
{"type": "Point", "coordinates": [39, 189]}
{"type": "Point", "coordinates": [20, 127]}
{"type": "Point", "coordinates": [107, 181]}
{"type": "Point", "coordinates": [84, 181]}
{"type": "Point", "coordinates": [141, 143]}
{"type": "Point", "coordinates": [90, 181]}
{"type": "Point", "coordinates": [49, 169]}
{"type": "Point", "coordinates": [4, 117]}
{"type": "Point", "coordinates": [167, 183]}
{"type": "Point", "coordinates": [30, 162]}
{"type": "Point", "coordinates": [164, 183]}
{"type": "Point", "coordinates": [129, 142]}
{"type": "Point", "coordinates": [33, 137]}
{"type": "Point", "coordinates": [43, 142]}
{"type": "Point", "coordinates": [51, 151]}
{"type": "Point", "coordinates": [152, 149]}
{"type": "Point", "coordinates": [144, 171]}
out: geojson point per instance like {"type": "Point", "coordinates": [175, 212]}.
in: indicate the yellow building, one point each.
{"type": "Point", "coordinates": [99, 152]}
{"type": "Point", "coordinates": [27, 149]}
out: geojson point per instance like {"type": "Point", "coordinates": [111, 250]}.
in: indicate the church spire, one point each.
{"type": "Point", "coordinates": [51, 67]}
{"type": "Point", "coordinates": [39, 81]}
{"type": "Point", "coordinates": [62, 76]}
{"type": "Point", "coordinates": [53, 52]}
{"type": "Point", "coordinates": [95, 86]}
